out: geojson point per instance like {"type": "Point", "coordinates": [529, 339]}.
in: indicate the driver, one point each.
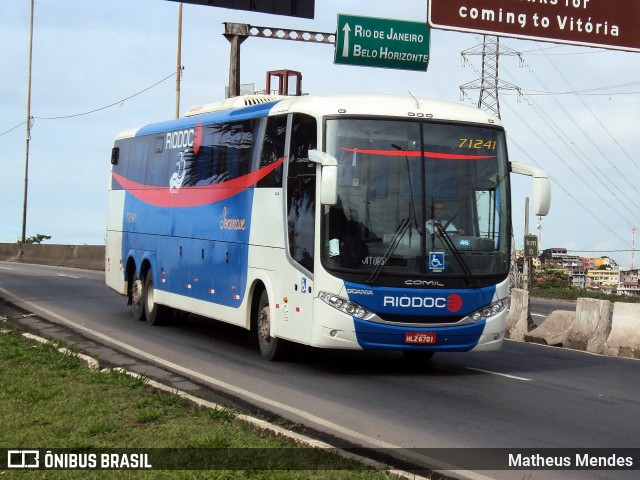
{"type": "Point", "coordinates": [439, 218]}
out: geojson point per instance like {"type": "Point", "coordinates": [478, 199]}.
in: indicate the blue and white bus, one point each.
{"type": "Point", "coordinates": [315, 220]}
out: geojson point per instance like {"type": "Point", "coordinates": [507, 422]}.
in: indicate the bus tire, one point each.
{"type": "Point", "coordinates": [136, 300]}
{"type": "Point", "coordinates": [155, 314]}
{"type": "Point", "coordinates": [271, 348]}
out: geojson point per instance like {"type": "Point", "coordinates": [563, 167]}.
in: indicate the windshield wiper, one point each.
{"type": "Point", "coordinates": [395, 241]}
{"type": "Point", "coordinates": [468, 275]}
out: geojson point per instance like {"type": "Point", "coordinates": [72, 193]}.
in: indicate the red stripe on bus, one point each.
{"type": "Point", "coordinates": [195, 196]}
{"type": "Point", "coordinates": [413, 153]}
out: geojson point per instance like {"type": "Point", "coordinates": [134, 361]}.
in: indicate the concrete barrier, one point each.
{"type": "Point", "coordinates": [624, 339]}
{"type": "Point", "coordinates": [9, 252]}
{"type": "Point", "coordinates": [76, 256]}
{"type": "Point", "coordinates": [554, 329]}
{"type": "Point", "coordinates": [592, 326]}
{"type": "Point", "coordinates": [518, 321]}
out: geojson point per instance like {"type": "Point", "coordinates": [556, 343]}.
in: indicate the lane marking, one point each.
{"type": "Point", "coordinates": [67, 276]}
{"type": "Point", "coordinates": [513, 377]}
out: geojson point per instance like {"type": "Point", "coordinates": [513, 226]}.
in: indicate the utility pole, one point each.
{"type": "Point", "coordinates": [525, 265]}
{"type": "Point", "coordinates": [26, 160]}
{"type": "Point", "coordinates": [633, 247]}
{"type": "Point", "coordinates": [179, 61]}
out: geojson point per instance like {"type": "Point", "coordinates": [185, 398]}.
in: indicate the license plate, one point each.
{"type": "Point", "coordinates": [428, 338]}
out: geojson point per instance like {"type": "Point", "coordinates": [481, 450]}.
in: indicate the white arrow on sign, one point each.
{"type": "Point", "coordinates": [345, 47]}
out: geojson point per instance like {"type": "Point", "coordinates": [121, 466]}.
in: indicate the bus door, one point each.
{"type": "Point", "coordinates": [301, 228]}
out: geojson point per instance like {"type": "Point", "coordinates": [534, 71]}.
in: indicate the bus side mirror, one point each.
{"type": "Point", "coordinates": [329, 185]}
{"type": "Point", "coordinates": [541, 187]}
{"type": "Point", "coordinates": [328, 176]}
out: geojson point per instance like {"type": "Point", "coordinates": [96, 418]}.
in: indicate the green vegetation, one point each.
{"type": "Point", "coordinates": [551, 277]}
{"type": "Point", "coordinates": [50, 400]}
{"type": "Point", "coordinates": [39, 238]}
{"type": "Point", "coordinates": [571, 293]}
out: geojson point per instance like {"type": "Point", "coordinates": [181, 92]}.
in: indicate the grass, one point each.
{"type": "Point", "coordinates": [575, 293]}
{"type": "Point", "coordinates": [52, 401]}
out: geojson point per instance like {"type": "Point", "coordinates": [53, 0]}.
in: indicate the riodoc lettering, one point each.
{"type": "Point", "coordinates": [415, 302]}
{"type": "Point", "coordinates": [452, 302]}
{"type": "Point", "coordinates": [180, 139]}
{"type": "Point", "coordinates": [189, 138]}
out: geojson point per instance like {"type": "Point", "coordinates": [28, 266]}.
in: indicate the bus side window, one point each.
{"type": "Point", "coordinates": [273, 150]}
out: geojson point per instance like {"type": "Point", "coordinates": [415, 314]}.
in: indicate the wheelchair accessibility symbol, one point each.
{"type": "Point", "coordinates": [436, 261]}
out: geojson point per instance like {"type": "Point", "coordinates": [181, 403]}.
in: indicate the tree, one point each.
{"type": "Point", "coordinates": [549, 276]}
{"type": "Point", "coordinates": [39, 238]}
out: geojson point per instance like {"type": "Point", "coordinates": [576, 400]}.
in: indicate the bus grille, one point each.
{"type": "Point", "coordinates": [421, 320]}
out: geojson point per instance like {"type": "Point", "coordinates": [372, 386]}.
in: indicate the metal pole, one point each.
{"type": "Point", "coordinates": [525, 266]}
{"type": "Point", "coordinates": [26, 160]}
{"type": "Point", "coordinates": [179, 61]}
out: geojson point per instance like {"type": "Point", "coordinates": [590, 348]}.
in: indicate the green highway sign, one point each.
{"type": "Point", "coordinates": [530, 246]}
{"type": "Point", "coordinates": [382, 42]}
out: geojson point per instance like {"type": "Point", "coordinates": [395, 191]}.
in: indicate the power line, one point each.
{"type": "Point", "coordinates": [110, 105]}
{"type": "Point", "coordinates": [585, 92]}
{"type": "Point", "coordinates": [558, 184]}
{"type": "Point", "coordinates": [62, 117]}
{"type": "Point", "coordinates": [602, 251]}
{"type": "Point", "coordinates": [568, 143]}
{"type": "Point", "coordinates": [12, 129]}
{"type": "Point", "coordinates": [580, 155]}
{"type": "Point", "coordinates": [604, 127]}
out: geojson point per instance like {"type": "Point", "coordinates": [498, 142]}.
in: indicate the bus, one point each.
{"type": "Point", "coordinates": [319, 220]}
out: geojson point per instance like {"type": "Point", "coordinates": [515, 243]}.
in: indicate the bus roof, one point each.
{"type": "Point", "coordinates": [255, 106]}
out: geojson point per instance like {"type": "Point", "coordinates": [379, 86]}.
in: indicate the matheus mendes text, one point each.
{"type": "Point", "coordinates": [585, 461]}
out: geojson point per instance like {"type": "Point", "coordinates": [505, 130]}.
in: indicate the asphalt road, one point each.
{"type": "Point", "coordinates": [523, 396]}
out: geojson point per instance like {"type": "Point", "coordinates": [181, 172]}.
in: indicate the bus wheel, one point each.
{"type": "Point", "coordinates": [155, 314]}
{"type": "Point", "coordinates": [137, 303]}
{"type": "Point", "coordinates": [271, 348]}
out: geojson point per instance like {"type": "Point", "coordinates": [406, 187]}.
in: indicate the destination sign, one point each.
{"type": "Point", "coordinates": [381, 42]}
{"type": "Point", "coordinates": [611, 24]}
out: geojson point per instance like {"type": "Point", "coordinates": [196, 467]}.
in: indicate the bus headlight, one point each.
{"type": "Point", "coordinates": [345, 306]}
{"type": "Point", "coordinates": [490, 311]}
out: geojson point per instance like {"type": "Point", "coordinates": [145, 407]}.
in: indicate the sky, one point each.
{"type": "Point", "coordinates": [103, 66]}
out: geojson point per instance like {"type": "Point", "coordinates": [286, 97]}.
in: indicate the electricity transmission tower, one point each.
{"type": "Point", "coordinates": [489, 84]}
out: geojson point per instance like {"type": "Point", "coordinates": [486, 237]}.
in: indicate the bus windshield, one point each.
{"type": "Point", "coordinates": [417, 200]}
